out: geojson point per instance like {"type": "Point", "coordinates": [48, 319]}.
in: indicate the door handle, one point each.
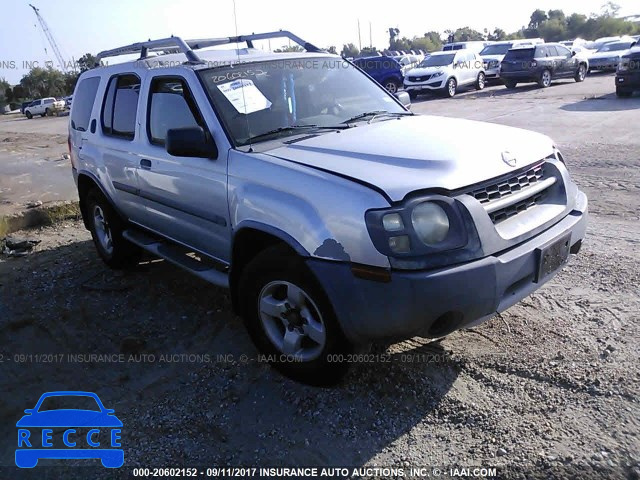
{"type": "Point", "coordinates": [146, 164]}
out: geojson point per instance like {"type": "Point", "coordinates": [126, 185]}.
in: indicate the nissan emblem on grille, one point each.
{"type": "Point", "coordinates": [509, 159]}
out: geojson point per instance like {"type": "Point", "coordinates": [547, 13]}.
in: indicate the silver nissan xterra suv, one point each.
{"type": "Point", "coordinates": [334, 215]}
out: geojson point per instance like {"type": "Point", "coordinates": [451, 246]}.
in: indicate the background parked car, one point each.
{"type": "Point", "coordinates": [542, 64]}
{"type": "Point", "coordinates": [608, 56]}
{"type": "Point", "coordinates": [476, 46]}
{"type": "Point", "coordinates": [628, 74]}
{"type": "Point", "coordinates": [493, 54]}
{"type": "Point", "coordinates": [25, 105]}
{"type": "Point", "coordinates": [43, 107]}
{"type": "Point", "coordinates": [446, 72]}
{"type": "Point", "coordinates": [384, 70]}
{"type": "Point", "coordinates": [68, 101]}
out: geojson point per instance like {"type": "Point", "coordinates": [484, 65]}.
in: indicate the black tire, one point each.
{"type": "Point", "coordinates": [275, 265]}
{"type": "Point", "coordinates": [510, 84]}
{"type": "Point", "coordinates": [450, 88]}
{"type": "Point", "coordinates": [481, 81]}
{"type": "Point", "coordinates": [46, 112]}
{"type": "Point", "coordinates": [391, 85]}
{"type": "Point", "coordinates": [581, 73]}
{"type": "Point", "coordinates": [545, 78]}
{"type": "Point", "coordinates": [622, 93]}
{"type": "Point", "coordinates": [122, 253]}
{"type": "Point", "coordinates": [28, 114]}
{"type": "Point", "coordinates": [413, 94]}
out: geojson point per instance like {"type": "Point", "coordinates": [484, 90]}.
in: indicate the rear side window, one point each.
{"type": "Point", "coordinates": [120, 106]}
{"type": "Point", "coordinates": [171, 105]}
{"type": "Point", "coordinates": [83, 104]}
{"type": "Point", "coordinates": [542, 52]}
{"type": "Point", "coordinates": [552, 51]}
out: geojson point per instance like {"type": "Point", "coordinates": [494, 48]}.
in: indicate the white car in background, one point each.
{"type": "Point", "coordinates": [446, 72]}
{"type": "Point", "coordinates": [608, 55]}
{"type": "Point", "coordinates": [43, 107]}
{"type": "Point", "coordinates": [493, 54]}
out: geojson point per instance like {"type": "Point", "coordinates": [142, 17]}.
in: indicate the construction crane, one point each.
{"type": "Point", "coordinates": [52, 41]}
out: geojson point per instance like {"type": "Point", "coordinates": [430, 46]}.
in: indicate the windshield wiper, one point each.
{"type": "Point", "coordinates": [375, 113]}
{"type": "Point", "coordinates": [293, 128]}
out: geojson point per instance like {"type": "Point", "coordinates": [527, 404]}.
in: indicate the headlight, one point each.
{"type": "Point", "coordinates": [437, 74]}
{"type": "Point", "coordinates": [430, 223]}
{"type": "Point", "coordinates": [623, 66]}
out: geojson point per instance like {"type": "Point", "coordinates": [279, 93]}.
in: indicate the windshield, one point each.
{"type": "Point", "coordinates": [438, 60]}
{"type": "Point", "coordinates": [255, 98]}
{"type": "Point", "coordinates": [612, 47]}
{"type": "Point", "coordinates": [66, 402]}
{"type": "Point", "coordinates": [496, 49]}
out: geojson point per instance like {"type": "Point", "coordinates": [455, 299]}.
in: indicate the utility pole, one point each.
{"type": "Point", "coordinates": [370, 37]}
{"type": "Point", "coordinates": [359, 37]}
{"type": "Point", "coordinates": [50, 38]}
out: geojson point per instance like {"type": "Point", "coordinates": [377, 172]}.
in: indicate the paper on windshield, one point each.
{"type": "Point", "coordinates": [244, 96]}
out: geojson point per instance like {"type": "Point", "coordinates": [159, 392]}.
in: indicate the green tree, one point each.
{"type": "Point", "coordinates": [350, 51]}
{"type": "Point", "coordinates": [44, 82]}
{"type": "Point", "coordinates": [575, 25]}
{"type": "Point", "coordinates": [430, 41]}
{"type": "Point", "coordinates": [368, 51]}
{"type": "Point", "coordinates": [537, 17]}
{"type": "Point", "coordinates": [4, 89]}
{"type": "Point", "coordinates": [557, 15]}
{"type": "Point", "coordinates": [289, 48]}
{"type": "Point", "coordinates": [610, 9]}
{"type": "Point", "coordinates": [393, 34]}
{"type": "Point", "coordinates": [332, 49]}
{"type": "Point", "coordinates": [86, 62]}
{"type": "Point", "coordinates": [467, 34]}
{"type": "Point", "coordinates": [497, 35]}
{"type": "Point", "coordinates": [400, 44]}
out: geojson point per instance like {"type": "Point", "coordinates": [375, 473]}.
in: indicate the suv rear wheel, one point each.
{"type": "Point", "coordinates": [581, 73]}
{"type": "Point", "coordinates": [510, 84]}
{"type": "Point", "coordinates": [545, 78]}
{"type": "Point", "coordinates": [290, 318]}
{"type": "Point", "coordinates": [106, 229]}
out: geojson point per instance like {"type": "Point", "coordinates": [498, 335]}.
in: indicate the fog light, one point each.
{"type": "Point", "coordinates": [392, 222]}
{"type": "Point", "coordinates": [400, 244]}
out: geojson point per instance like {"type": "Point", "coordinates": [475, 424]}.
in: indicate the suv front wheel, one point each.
{"type": "Point", "coordinates": [290, 318]}
{"type": "Point", "coordinates": [106, 229]}
{"type": "Point", "coordinates": [581, 73]}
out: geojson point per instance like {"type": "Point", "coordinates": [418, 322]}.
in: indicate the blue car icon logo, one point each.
{"type": "Point", "coordinates": [50, 430]}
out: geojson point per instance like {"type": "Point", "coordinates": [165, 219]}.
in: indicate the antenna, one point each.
{"type": "Point", "coordinates": [52, 41]}
{"type": "Point", "coordinates": [244, 100]}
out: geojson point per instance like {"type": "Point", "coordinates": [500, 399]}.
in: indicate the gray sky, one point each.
{"type": "Point", "coordinates": [81, 26]}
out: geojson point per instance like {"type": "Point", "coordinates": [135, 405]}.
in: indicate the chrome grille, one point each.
{"type": "Point", "coordinates": [507, 187]}
{"type": "Point", "coordinates": [420, 79]}
{"type": "Point", "coordinates": [491, 196]}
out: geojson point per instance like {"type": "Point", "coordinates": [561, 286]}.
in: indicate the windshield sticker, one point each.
{"type": "Point", "coordinates": [244, 96]}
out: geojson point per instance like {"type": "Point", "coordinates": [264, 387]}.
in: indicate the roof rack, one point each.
{"type": "Point", "coordinates": [177, 45]}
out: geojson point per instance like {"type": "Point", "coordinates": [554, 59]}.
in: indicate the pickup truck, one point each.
{"type": "Point", "coordinates": [43, 107]}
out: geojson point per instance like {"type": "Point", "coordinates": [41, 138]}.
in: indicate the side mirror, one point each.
{"type": "Point", "coordinates": [573, 53]}
{"type": "Point", "coordinates": [403, 98]}
{"type": "Point", "coordinates": [190, 142]}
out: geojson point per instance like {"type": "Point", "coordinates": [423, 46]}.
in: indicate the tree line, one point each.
{"type": "Point", "coordinates": [553, 26]}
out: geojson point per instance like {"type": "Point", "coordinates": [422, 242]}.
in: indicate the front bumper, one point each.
{"type": "Point", "coordinates": [436, 302]}
{"type": "Point", "coordinates": [492, 73]}
{"type": "Point", "coordinates": [436, 84]}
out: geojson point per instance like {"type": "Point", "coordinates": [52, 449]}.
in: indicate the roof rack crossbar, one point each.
{"type": "Point", "coordinates": [144, 48]}
{"type": "Point", "coordinates": [177, 44]}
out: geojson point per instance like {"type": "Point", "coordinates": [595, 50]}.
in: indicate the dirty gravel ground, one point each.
{"type": "Point", "coordinates": [549, 389]}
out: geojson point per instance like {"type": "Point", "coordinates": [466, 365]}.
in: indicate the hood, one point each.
{"type": "Point", "coordinates": [424, 71]}
{"type": "Point", "coordinates": [69, 418]}
{"type": "Point", "coordinates": [419, 152]}
{"type": "Point", "coordinates": [617, 53]}
{"type": "Point", "coordinates": [487, 58]}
